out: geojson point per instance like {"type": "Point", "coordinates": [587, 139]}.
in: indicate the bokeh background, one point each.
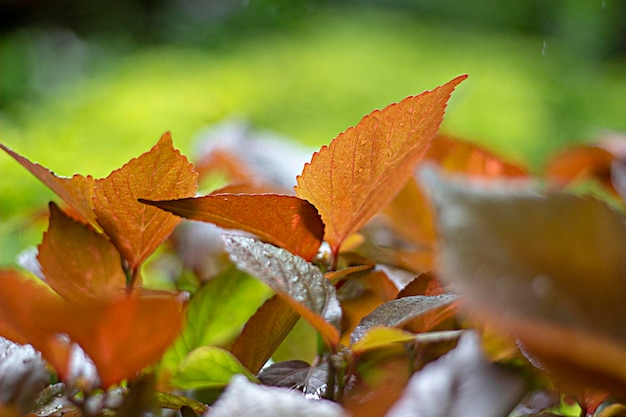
{"type": "Point", "coordinates": [87, 85]}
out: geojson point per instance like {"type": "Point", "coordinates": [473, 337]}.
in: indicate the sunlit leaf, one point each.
{"type": "Point", "coordinates": [381, 336]}
{"type": "Point", "coordinates": [461, 383]}
{"type": "Point", "coordinates": [263, 333]}
{"type": "Point", "coordinates": [285, 221]}
{"type": "Point", "coordinates": [137, 229]}
{"type": "Point", "coordinates": [245, 399]}
{"type": "Point", "coordinates": [79, 262]}
{"type": "Point", "coordinates": [364, 167]}
{"type": "Point", "coordinates": [76, 191]}
{"type": "Point", "coordinates": [547, 267]}
{"type": "Point", "coordinates": [300, 283]}
{"type": "Point", "coordinates": [395, 313]}
{"type": "Point", "coordinates": [208, 366]}
{"type": "Point", "coordinates": [217, 312]}
{"type": "Point", "coordinates": [297, 375]}
{"type": "Point", "coordinates": [454, 155]}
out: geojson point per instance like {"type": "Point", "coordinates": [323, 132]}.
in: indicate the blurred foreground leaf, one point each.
{"type": "Point", "coordinates": [542, 267]}
{"type": "Point", "coordinates": [461, 383]}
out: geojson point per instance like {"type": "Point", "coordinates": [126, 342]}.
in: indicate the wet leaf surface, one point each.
{"type": "Point", "coordinates": [364, 167]}
{"type": "Point", "coordinates": [395, 313]}
{"type": "Point", "coordinates": [137, 229]}
{"type": "Point", "coordinates": [301, 284]}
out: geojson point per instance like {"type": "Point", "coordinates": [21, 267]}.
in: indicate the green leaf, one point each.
{"type": "Point", "coordinates": [176, 402]}
{"type": "Point", "coordinates": [301, 284]}
{"type": "Point", "coordinates": [208, 367]}
{"type": "Point", "coordinates": [395, 313]}
{"type": "Point", "coordinates": [377, 337]}
{"type": "Point", "coordinates": [217, 313]}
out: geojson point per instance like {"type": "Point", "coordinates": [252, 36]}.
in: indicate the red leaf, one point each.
{"type": "Point", "coordinates": [364, 167]}
{"type": "Point", "coordinates": [79, 262]}
{"type": "Point", "coordinates": [77, 191]}
{"type": "Point", "coordinates": [136, 229]}
{"type": "Point", "coordinates": [285, 221]}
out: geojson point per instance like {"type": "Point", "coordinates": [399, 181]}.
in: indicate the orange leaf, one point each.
{"type": "Point", "coordinates": [124, 336]}
{"type": "Point", "coordinates": [136, 229]}
{"type": "Point", "coordinates": [285, 221]}
{"type": "Point", "coordinates": [455, 155]}
{"type": "Point", "coordinates": [76, 191]}
{"type": "Point", "coordinates": [79, 262]}
{"type": "Point", "coordinates": [121, 336]}
{"type": "Point", "coordinates": [364, 167]}
{"type": "Point", "coordinates": [25, 308]}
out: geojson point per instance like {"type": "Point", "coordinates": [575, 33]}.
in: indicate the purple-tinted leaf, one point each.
{"type": "Point", "coordinates": [398, 312]}
{"type": "Point", "coordinates": [301, 284]}
{"type": "Point", "coordinates": [245, 399]}
{"type": "Point", "coordinates": [297, 375]}
{"type": "Point", "coordinates": [461, 383]}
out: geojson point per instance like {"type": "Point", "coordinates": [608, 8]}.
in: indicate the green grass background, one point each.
{"type": "Point", "coordinates": [525, 97]}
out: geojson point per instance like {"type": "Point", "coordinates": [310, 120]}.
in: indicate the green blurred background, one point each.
{"type": "Point", "coordinates": [87, 85]}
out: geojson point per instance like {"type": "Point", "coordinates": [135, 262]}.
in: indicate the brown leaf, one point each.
{"type": "Point", "coordinates": [263, 333]}
{"type": "Point", "coordinates": [548, 267]}
{"type": "Point", "coordinates": [79, 262]}
{"type": "Point", "coordinates": [137, 229]}
{"type": "Point", "coordinates": [77, 191]}
{"type": "Point", "coordinates": [285, 221]}
{"type": "Point", "coordinates": [364, 167]}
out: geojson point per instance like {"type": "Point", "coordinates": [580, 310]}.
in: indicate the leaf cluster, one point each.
{"type": "Point", "coordinates": [475, 294]}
